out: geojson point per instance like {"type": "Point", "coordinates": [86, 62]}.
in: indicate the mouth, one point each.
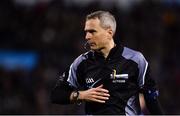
{"type": "Point", "coordinates": [91, 43]}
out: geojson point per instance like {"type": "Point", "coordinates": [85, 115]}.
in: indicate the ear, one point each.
{"type": "Point", "coordinates": [109, 30]}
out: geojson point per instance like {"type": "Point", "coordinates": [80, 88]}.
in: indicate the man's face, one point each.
{"type": "Point", "coordinates": [96, 36]}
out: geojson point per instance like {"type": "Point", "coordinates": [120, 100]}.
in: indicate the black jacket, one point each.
{"type": "Point", "coordinates": [125, 73]}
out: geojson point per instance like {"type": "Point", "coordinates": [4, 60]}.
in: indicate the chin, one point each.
{"type": "Point", "coordinates": [93, 48]}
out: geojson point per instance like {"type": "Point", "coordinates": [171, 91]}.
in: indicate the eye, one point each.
{"type": "Point", "coordinates": [92, 31]}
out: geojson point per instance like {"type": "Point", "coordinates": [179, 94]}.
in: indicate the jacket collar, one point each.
{"type": "Point", "coordinates": [114, 53]}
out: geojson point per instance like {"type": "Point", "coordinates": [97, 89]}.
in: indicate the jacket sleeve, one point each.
{"type": "Point", "coordinates": [148, 86]}
{"type": "Point", "coordinates": [151, 94]}
{"type": "Point", "coordinates": [68, 82]}
{"type": "Point", "coordinates": [60, 94]}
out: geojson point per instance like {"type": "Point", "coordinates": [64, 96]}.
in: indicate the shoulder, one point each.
{"type": "Point", "coordinates": [134, 55]}
{"type": "Point", "coordinates": [82, 58]}
{"type": "Point", "coordinates": [138, 58]}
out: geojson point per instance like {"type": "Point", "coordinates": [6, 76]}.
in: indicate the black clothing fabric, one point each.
{"type": "Point", "coordinates": [125, 73]}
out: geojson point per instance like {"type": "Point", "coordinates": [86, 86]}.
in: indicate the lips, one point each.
{"type": "Point", "coordinates": [91, 43]}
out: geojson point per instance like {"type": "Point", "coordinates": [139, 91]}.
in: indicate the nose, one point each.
{"type": "Point", "coordinates": [88, 36]}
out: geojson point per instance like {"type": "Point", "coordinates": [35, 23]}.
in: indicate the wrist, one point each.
{"type": "Point", "coordinates": [75, 97]}
{"type": "Point", "coordinates": [81, 97]}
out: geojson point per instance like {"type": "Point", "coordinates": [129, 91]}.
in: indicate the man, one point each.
{"type": "Point", "coordinates": [109, 77]}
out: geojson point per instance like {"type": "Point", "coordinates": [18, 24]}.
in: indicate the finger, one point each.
{"type": "Point", "coordinates": [99, 101]}
{"type": "Point", "coordinates": [102, 94]}
{"type": "Point", "coordinates": [102, 90]}
{"type": "Point", "coordinates": [100, 97]}
{"type": "Point", "coordinates": [100, 86]}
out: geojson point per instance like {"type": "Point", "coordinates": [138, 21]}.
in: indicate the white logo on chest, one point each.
{"type": "Point", "coordinates": [89, 80]}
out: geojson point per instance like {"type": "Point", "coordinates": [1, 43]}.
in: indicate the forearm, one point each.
{"type": "Point", "coordinates": [152, 102]}
{"type": "Point", "coordinates": [61, 94]}
{"type": "Point", "coordinates": [154, 107]}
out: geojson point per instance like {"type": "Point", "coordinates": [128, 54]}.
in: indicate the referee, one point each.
{"type": "Point", "coordinates": [109, 77]}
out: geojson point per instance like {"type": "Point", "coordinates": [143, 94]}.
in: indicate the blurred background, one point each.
{"type": "Point", "coordinates": [39, 39]}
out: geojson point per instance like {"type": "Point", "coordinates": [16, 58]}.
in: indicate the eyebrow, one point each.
{"type": "Point", "coordinates": [90, 30]}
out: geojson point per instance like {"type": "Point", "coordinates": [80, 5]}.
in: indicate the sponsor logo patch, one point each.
{"type": "Point", "coordinates": [118, 78]}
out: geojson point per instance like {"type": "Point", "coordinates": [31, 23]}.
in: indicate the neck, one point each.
{"type": "Point", "coordinates": [108, 48]}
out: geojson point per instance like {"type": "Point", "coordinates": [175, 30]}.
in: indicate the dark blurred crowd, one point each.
{"type": "Point", "coordinates": [54, 30]}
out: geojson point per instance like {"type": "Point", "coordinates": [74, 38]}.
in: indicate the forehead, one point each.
{"type": "Point", "coordinates": [92, 23]}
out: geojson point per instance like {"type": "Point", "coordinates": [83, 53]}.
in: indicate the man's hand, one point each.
{"type": "Point", "coordinates": [97, 94]}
